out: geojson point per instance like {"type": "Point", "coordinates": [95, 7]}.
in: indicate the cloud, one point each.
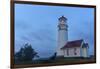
{"type": "Point", "coordinates": [42, 41]}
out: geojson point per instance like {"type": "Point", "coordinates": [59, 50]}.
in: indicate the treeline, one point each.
{"type": "Point", "coordinates": [25, 55]}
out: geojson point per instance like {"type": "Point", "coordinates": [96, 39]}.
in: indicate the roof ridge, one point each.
{"type": "Point", "coordinates": [76, 40]}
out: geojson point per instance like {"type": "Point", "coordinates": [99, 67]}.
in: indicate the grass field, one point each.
{"type": "Point", "coordinates": [57, 61]}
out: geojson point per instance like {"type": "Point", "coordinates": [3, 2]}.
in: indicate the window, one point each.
{"type": "Point", "coordinates": [75, 53]}
{"type": "Point", "coordinates": [68, 52]}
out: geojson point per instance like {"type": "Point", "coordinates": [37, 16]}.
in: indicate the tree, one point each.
{"type": "Point", "coordinates": [53, 56]}
{"type": "Point", "coordinates": [26, 54]}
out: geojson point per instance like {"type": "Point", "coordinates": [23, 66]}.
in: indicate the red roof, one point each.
{"type": "Point", "coordinates": [70, 44]}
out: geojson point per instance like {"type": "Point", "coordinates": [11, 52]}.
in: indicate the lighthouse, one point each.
{"type": "Point", "coordinates": [62, 34]}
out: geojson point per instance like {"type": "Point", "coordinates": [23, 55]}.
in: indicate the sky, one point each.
{"type": "Point", "coordinates": [37, 25]}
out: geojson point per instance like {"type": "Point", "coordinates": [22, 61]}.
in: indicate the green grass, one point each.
{"type": "Point", "coordinates": [61, 60]}
{"type": "Point", "coordinates": [57, 61]}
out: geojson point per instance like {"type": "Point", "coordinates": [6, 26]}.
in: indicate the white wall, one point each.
{"type": "Point", "coordinates": [71, 52]}
{"type": "Point", "coordinates": [5, 33]}
{"type": "Point", "coordinates": [84, 52]}
{"type": "Point", "coordinates": [62, 40]}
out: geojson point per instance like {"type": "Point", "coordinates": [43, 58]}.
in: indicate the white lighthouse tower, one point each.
{"type": "Point", "coordinates": [62, 34]}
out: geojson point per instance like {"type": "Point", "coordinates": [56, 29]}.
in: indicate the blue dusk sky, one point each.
{"type": "Point", "coordinates": [37, 25]}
